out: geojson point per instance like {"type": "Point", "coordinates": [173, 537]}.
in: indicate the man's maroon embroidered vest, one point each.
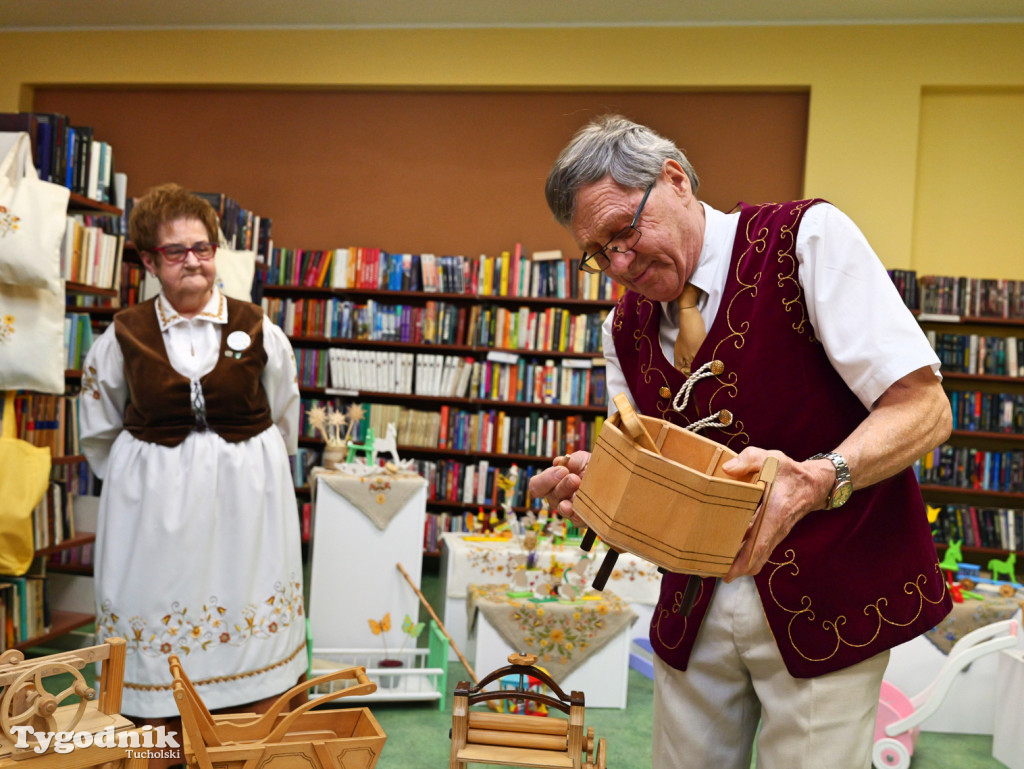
{"type": "Point", "coordinates": [845, 584]}
{"type": "Point", "coordinates": [160, 399]}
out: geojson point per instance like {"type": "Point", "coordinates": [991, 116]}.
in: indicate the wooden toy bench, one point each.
{"type": "Point", "coordinates": [516, 740]}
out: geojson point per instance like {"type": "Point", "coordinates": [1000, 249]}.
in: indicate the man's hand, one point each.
{"type": "Point", "coordinates": [558, 483]}
{"type": "Point", "coordinates": [799, 488]}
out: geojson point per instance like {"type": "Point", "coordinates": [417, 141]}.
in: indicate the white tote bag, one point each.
{"type": "Point", "coordinates": [33, 214]}
{"type": "Point", "coordinates": [235, 271]}
{"type": "Point", "coordinates": [31, 339]}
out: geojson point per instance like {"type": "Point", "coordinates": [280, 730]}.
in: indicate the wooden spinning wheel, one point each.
{"type": "Point", "coordinates": [27, 702]}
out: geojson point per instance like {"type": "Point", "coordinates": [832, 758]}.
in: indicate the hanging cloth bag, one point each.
{"type": "Point", "coordinates": [24, 480]}
{"type": "Point", "coordinates": [33, 218]}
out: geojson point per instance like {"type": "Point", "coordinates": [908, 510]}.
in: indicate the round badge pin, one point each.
{"type": "Point", "coordinates": [239, 340]}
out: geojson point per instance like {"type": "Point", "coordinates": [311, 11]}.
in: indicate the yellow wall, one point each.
{"type": "Point", "coordinates": [877, 109]}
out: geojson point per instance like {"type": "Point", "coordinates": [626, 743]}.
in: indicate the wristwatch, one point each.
{"type": "Point", "coordinates": [842, 488]}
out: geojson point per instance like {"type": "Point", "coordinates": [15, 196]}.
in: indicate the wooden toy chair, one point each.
{"type": "Point", "coordinates": [545, 742]}
{"type": "Point", "coordinates": [326, 739]}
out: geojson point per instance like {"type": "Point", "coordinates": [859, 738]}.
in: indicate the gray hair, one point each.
{"type": "Point", "coordinates": [632, 154]}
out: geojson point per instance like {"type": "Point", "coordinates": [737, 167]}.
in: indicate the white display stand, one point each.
{"type": "Point", "coordinates": [638, 582]}
{"type": "Point", "coordinates": [1008, 732]}
{"type": "Point", "coordinates": [603, 677]}
{"type": "Point", "coordinates": [969, 705]}
{"type": "Point", "coordinates": [354, 575]}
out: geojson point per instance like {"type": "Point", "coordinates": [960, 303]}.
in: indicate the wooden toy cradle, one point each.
{"type": "Point", "coordinates": [545, 742]}
{"type": "Point", "coordinates": [349, 738]}
{"type": "Point", "coordinates": [25, 702]}
{"type": "Point", "coordinates": [656, 490]}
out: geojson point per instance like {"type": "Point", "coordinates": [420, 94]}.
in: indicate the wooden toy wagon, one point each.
{"type": "Point", "coordinates": [656, 490]}
{"type": "Point", "coordinates": [326, 739]}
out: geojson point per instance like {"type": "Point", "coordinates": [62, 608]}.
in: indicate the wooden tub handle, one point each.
{"type": "Point", "coordinates": [633, 426]}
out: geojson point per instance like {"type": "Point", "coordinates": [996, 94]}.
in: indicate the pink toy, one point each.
{"type": "Point", "coordinates": [899, 716]}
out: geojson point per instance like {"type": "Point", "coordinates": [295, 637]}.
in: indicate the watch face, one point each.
{"type": "Point", "coordinates": [841, 494]}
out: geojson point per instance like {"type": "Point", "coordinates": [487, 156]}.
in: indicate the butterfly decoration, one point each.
{"type": "Point", "coordinates": [410, 628]}
{"type": "Point", "coordinates": [381, 628]}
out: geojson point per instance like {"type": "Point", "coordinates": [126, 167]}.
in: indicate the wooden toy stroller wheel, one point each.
{"type": "Point", "coordinates": [890, 754]}
{"type": "Point", "coordinates": [27, 700]}
{"type": "Point", "coordinates": [1007, 591]}
{"type": "Point", "coordinates": [968, 584]}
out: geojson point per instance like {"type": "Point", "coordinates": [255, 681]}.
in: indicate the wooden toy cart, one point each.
{"type": "Point", "coordinates": [326, 739]}
{"type": "Point", "coordinates": [658, 491]}
{"type": "Point", "coordinates": [26, 702]}
{"type": "Point", "coordinates": [545, 742]}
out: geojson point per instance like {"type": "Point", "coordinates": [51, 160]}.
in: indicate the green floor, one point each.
{"type": "Point", "coordinates": [417, 734]}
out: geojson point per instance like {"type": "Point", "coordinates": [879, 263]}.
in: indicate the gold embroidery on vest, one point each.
{"type": "Point", "coordinates": [834, 626]}
{"type": "Point", "coordinates": [661, 613]}
{"type": "Point", "coordinates": [643, 344]}
{"type": "Point", "coordinates": [787, 234]}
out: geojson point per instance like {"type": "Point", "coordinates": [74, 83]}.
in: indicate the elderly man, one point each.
{"type": "Point", "coordinates": [775, 330]}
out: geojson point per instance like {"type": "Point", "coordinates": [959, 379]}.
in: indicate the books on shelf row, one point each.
{"type": "Point", "coordinates": [533, 434]}
{"type": "Point", "coordinates": [442, 523]}
{"type": "Point", "coordinates": [66, 154]}
{"type": "Point", "coordinates": [48, 420]}
{"type": "Point", "coordinates": [90, 254]}
{"type": "Point", "coordinates": [523, 328]}
{"type": "Point", "coordinates": [515, 273]}
{"type": "Point", "coordinates": [977, 354]}
{"type": "Point", "coordinates": [969, 468]}
{"type": "Point", "coordinates": [243, 230]}
{"type": "Point", "coordinates": [53, 519]}
{"type": "Point", "coordinates": [475, 483]}
{"type": "Point", "coordinates": [77, 339]}
{"type": "Point", "coordinates": [999, 528]}
{"type": "Point", "coordinates": [978, 297]}
{"type": "Point", "coordinates": [482, 431]}
{"type": "Point", "coordinates": [24, 606]}
{"type": "Point", "coordinates": [987, 412]}
{"type": "Point", "coordinates": [906, 284]}
{"type": "Point", "coordinates": [302, 464]}
{"type": "Point", "coordinates": [500, 376]}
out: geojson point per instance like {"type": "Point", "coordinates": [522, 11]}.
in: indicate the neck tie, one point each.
{"type": "Point", "coordinates": [691, 328]}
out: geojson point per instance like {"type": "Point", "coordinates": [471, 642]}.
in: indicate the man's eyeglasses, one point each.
{"type": "Point", "coordinates": [174, 254]}
{"type": "Point", "coordinates": [621, 242]}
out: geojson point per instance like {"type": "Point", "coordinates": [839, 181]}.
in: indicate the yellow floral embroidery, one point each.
{"type": "Point", "coordinates": [8, 222]}
{"type": "Point", "coordinates": [184, 630]}
{"type": "Point", "coordinates": [7, 329]}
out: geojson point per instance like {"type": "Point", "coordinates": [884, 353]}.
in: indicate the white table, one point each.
{"type": "Point", "coordinates": [466, 560]}
{"type": "Point", "coordinates": [354, 576]}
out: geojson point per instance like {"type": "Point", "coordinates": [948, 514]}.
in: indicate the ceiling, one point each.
{"type": "Point", "coordinates": [142, 14]}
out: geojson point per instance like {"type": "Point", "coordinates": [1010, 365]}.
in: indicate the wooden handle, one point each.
{"type": "Point", "coordinates": [603, 573]}
{"type": "Point", "coordinates": [589, 537]}
{"type": "Point", "coordinates": [766, 480]}
{"type": "Point", "coordinates": [632, 425]}
{"type": "Point", "coordinates": [689, 595]}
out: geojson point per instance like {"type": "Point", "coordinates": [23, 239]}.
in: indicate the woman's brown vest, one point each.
{"type": "Point", "coordinates": [159, 406]}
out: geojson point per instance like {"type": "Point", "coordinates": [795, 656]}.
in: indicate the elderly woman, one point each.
{"type": "Point", "coordinates": [189, 410]}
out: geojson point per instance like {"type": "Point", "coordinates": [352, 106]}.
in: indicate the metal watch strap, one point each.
{"type": "Point", "coordinates": [842, 475]}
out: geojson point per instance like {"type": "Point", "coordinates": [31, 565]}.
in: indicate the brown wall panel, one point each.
{"type": "Point", "coordinates": [422, 171]}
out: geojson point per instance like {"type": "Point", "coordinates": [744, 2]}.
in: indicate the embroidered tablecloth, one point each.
{"type": "Point", "coordinates": [379, 496]}
{"type": "Point", "coordinates": [477, 561]}
{"type": "Point", "coordinates": [562, 635]}
{"type": "Point", "coordinates": [971, 615]}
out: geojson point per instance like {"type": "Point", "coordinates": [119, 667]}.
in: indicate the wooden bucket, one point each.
{"type": "Point", "coordinates": [671, 503]}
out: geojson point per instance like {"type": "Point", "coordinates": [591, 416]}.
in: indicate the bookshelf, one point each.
{"type": "Point", "coordinates": [976, 478]}
{"type": "Point", "coordinates": [479, 362]}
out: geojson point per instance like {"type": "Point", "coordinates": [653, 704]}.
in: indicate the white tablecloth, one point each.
{"type": "Point", "coordinates": [477, 560]}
